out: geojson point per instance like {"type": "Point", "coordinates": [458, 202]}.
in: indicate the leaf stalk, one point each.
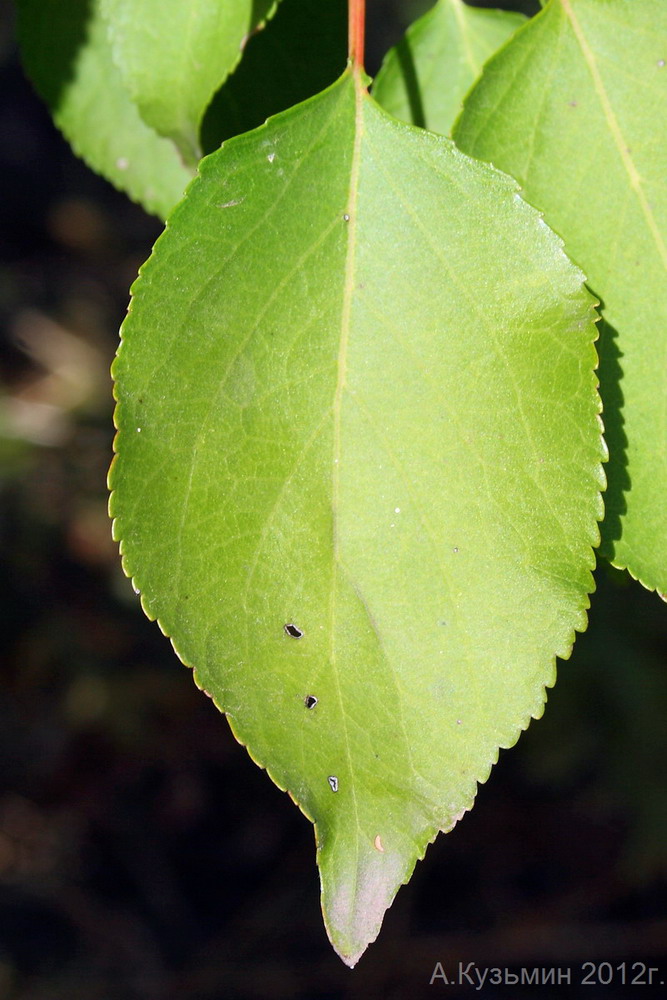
{"type": "Point", "coordinates": [356, 33]}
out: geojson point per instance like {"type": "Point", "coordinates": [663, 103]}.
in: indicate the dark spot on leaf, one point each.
{"type": "Point", "coordinates": [293, 630]}
{"type": "Point", "coordinates": [333, 781]}
{"type": "Point", "coordinates": [310, 701]}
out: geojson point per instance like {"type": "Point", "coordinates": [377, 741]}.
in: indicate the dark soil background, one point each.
{"type": "Point", "coordinates": [142, 855]}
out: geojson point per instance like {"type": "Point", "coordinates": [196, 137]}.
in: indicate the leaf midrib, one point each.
{"type": "Point", "coordinates": [346, 313]}
{"type": "Point", "coordinates": [464, 31]}
{"type": "Point", "coordinates": [615, 130]}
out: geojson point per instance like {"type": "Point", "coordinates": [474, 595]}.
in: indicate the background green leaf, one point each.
{"type": "Point", "coordinates": [356, 397]}
{"type": "Point", "coordinates": [302, 49]}
{"type": "Point", "coordinates": [67, 55]}
{"type": "Point", "coordinates": [173, 57]}
{"type": "Point", "coordinates": [424, 79]}
{"type": "Point", "coordinates": [575, 109]}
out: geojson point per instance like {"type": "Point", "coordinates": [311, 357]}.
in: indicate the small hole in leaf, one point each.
{"type": "Point", "coordinates": [310, 701]}
{"type": "Point", "coordinates": [333, 782]}
{"type": "Point", "coordinates": [293, 630]}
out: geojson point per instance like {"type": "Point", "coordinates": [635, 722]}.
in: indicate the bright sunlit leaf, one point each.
{"type": "Point", "coordinates": [575, 108]}
{"type": "Point", "coordinates": [358, 472]}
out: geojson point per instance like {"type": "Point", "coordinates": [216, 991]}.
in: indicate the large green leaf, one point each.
{"type": "Point", "coordinates": [174, 56]}
{"type": "Point", "coordinates": [67, 55]}
{"type": "Point", "coordinates": [575, 109]}
{"type": "Point", "coordinates": [358, 471]}
{"type": "Point", "coordinates": [302, 49]}
{"type": "Point", "coordinates": [424, 79]}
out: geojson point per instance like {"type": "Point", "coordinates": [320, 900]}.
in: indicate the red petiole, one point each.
{"type": "Point", "coordinates": [356, 32]}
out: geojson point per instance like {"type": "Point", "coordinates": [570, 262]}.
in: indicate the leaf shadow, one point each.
{"type": "Point", "coordinates": [610, 372]}
{"type": "Point", "coordinates": [259, 10]}
{"type": "Point", "coordinates": [302, 50]}
{"type": "Point", "coordinates": [411, 82]}
{"type": "Point", "coordinates": [55, 46]}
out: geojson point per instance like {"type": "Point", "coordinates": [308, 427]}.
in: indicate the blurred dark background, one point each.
{"type": "Point", "coordinates": [142, 854]}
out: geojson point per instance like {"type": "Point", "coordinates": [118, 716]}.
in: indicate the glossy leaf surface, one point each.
{"type": "Point", "coordinates": [66, 53]}
{"type": "Point", "coordinates": [424, 79]}
{"type": "Point", "coordinates": [173, 57]}
{"type": "Point", "coordinates": [358, 471]}
{"type": "Point", "coordinates": [574, 108]}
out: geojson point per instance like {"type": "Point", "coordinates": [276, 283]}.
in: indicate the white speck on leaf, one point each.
{"type": "Point", "coordinates": [230, 204]}
{"type": "Point", "coordinates": [271, 157]}
{"type": "Point", "coordinates": [122, 163]}
{"type": "Point", "coordinates": [378, 844]}
{"type": "Point", "coordinates": [333, 782]}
